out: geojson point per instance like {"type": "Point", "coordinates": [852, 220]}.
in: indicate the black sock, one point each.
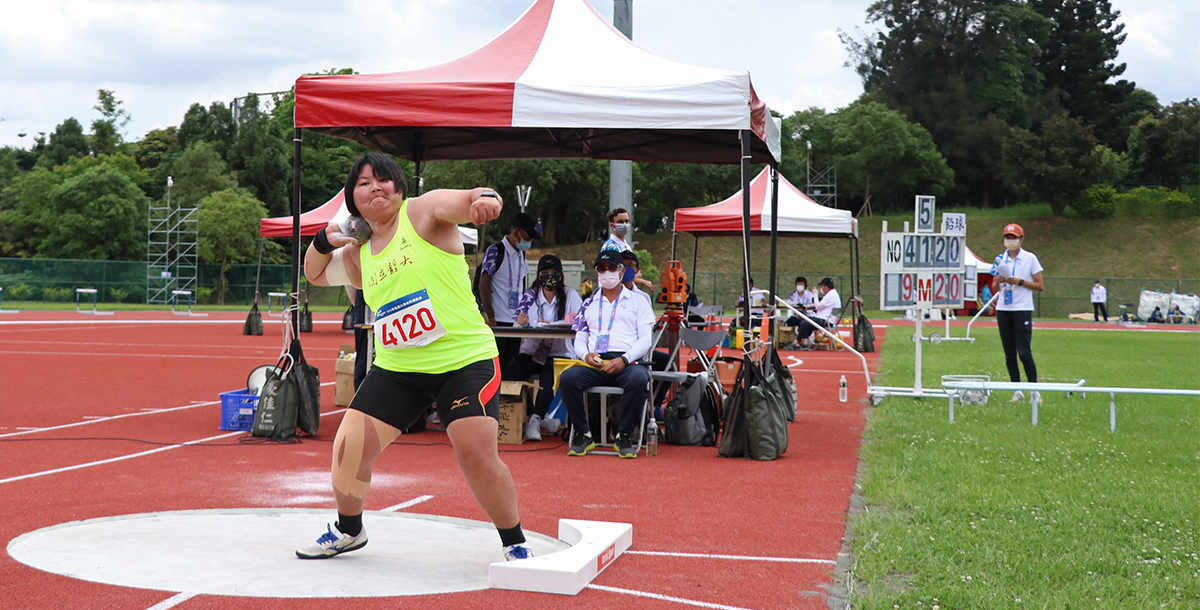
{"type": "Point", "coordinates": [512, 535]}
{"type": "Point", "coordinates": [349, 525]}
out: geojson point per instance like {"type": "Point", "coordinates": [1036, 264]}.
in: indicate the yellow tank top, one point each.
{"type": "Point", "coordinates": [419, 291]}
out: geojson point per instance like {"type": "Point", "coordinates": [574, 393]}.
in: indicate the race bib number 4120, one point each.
{"type": "Point", "coordinates": [409, 321]}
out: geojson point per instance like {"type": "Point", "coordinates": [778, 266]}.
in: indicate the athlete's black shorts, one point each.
{"type": "Point", "coordinates": [398, 399]}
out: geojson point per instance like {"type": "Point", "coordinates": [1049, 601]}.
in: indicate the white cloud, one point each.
{"type": "Point", "coordinates": [160, 56]}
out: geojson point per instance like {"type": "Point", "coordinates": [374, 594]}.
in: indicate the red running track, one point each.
{"type": "Point", "coordinates": [108, 384]}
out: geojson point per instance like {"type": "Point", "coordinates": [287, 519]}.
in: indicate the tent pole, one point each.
{"type": "Point", "coordinates": [296, 141]}
{"type": "Point", "coordinates": [745, 135]}
{"type": "Point", "coordinates": [695, 253]}
{"type": "Point", "coordinates": [774, 245]}
{"type": "Point", "coordinates": [673, 235]}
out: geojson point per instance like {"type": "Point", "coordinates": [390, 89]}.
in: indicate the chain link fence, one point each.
{"type": "Point", "coordinates": [53, 280]}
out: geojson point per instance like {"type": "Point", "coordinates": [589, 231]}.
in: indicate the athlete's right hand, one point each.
{"type": "Point", "coordinates": [333, 232]}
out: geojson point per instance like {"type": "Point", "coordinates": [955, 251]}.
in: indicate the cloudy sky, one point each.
{"type": "Point", "coordinates": [161, 56]}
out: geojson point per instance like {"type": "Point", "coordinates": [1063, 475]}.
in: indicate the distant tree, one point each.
{"type": "Point", "coordinates": [197, 173]}
{"type": "Point", "coordinates": [260, 158]}
{"type": "Point", "coordinates": [1055, 165]}
{"type": "Point", "coordinates": [229, 223]}
{"type": "Point", "coordinates": [877, 151]}
{"type": "Point", "coordinates": [106, 131]}
{"type": "Point", "coordinates": [800, 129]}
{"type": "Point", "coordinates": [67, 141]}
{"type": "Point", "coordinates": [156, 153]}
{"type": "Point", "coordinates": [1163, 148]}
{"type": "Point", "coordinates": [97, 215]}
{"type": "Point", "coordinates": [8, 165]}
{"type": "Point", "coordinates": [1078, 65]}
{"type": "Point", "coordinates": [27, 200]}
{"type": "Point", "coordinates": [962, 69]}
{"type": "Point", "coordinates": [666, 187]}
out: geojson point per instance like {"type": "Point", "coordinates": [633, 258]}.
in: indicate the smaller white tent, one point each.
{"type": "Point", "coordinates": [798, 215]}
{"type": "Point", "coordinates": [981, 266]}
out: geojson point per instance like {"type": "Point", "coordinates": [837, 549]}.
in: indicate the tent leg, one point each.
{"type": "Point", "coordinates": [296, 141]}
{"type": "Point", "coordinates": [744, 136]}
{"type": "Point", "coordinates": [774, 247]}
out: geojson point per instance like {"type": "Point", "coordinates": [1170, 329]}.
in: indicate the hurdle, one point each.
{"type": "Point", "coordinates": [955, 386]}
{"type": "Point", "coordinates": [91, 291]}
{"type": "Point", "coordinates": [2, 310]}
{"type": "Point", "coordinates": [188, 293]}
{"type": "Point", "coordinates": [282, 296]}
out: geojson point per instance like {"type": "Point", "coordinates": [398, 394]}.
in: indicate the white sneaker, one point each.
{"type": "Point", "coordinates": [533, 428]}
{"type": "Point", "coordinates": [551, 425]}
{"type": "Point", "coordinates": [1018, 396]}
{"type": "Point", "coordinates": [333, 543]}
{"type": "Point", "coordinates": [1035, 396]}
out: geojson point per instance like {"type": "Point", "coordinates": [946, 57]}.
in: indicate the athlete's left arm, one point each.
{"type": "Point", "coordinates": [437, 214]}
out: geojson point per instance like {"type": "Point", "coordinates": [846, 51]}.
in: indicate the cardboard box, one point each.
{"type": "Point", "coordinates": [343, 389]}
{"type": "Point", "coordinates": [785, 335]}
{"type": "Point", "coordinates": [727, 371]}
{"type": "Point", "coordinates": [514, 404]}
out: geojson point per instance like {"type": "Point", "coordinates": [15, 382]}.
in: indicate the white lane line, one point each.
{"type": "Point", "coordinates": [668, 598]}
{"type": "Point", "coordinates": [90, 322]}
{"type": "Point", "coordinates": [412, 502]}
{"type": "Point", "coordinates": [138, 355]}
{"type": "Point", "coordinates": [741, 557]}
{"type": "Point", "coordinates": [171, 603]}
{"type": "Point", "coordinates": [133, 455]}
{"type": "Point", "coordinates": [124, 415]}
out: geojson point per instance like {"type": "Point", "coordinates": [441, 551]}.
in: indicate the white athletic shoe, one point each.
{"type": "Point", "coordinates": [517, 551]}
{"type": "Point", "coordinates": [333, 543]}
{"type": "Point", "coordinates": [533, 428]}
{"type": "Point", "coordinates": [551, 425]}
{"type": "Point", "coordinates": [1018, 396]}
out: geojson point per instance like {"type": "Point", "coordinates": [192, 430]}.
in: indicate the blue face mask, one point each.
{"type": "Point", "coordinates": [629, 273]}
{"type": "Point", "coordinates": [524, 245]}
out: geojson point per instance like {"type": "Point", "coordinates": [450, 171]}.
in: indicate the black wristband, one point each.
{"type": "Point", "coordinates": [321, 243]}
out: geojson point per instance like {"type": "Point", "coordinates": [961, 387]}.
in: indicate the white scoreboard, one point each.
{"type": "Point", "coordinates": [923, 271]}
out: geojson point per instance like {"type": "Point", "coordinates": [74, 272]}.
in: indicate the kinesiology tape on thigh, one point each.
{"type": "Point", "coordinates": [356, 446]}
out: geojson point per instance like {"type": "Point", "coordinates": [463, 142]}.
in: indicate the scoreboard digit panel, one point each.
{"type": "Point", "coordinates": [922, 271]}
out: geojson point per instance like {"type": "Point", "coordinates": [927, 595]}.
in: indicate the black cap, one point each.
{"type": "Point", "coordinates": [611, 257]}
{"type": "Point", "coordinates": [525, 223]}
{"type": "Point", "coordinates": [549, 261]}
{"type": "Point", "coordinates": [826, 281]}
{"type": "Point", "coordinates": [628, 254]}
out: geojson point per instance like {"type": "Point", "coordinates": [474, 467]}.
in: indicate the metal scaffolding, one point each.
{"type": "Point", "coordinates": [172, 249]}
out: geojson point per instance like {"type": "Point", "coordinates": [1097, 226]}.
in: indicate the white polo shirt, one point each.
{"type": "Point", "coordinates": [508, 279]}
{"type": "Point", "coordinates": [797, 299]}
{"type": "Point", "coordinates": [534, 304]}
{"type": "Point", "coordinates": [1099, 294]}
{"type": "Point", "coordinates": [831, 301]}
{"type": "Point", "coordinates": [616, 243]}
{"type": "Point", "coordinates": [1014, 297]}
{"type": "Point", "coordinates": [629, 329]}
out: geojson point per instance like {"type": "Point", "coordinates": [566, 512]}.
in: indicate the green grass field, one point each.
{"type": "Point", "coordinates": [993, 512]}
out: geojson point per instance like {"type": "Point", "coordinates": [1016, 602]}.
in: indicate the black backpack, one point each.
{"type": "Point", "coordinates": [479, 271]}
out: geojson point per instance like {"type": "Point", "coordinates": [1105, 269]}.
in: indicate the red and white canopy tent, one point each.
{"type": "Point", "coordinates": [560, 82]}
{"type": "Point", "coordinates": [795, 215]}
{"type": "Point", "coordinates": [332, 210]}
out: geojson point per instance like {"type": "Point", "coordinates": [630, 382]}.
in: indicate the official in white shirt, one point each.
{"type": "Point", "coordinates": [503, 280]}
{"type": "Point", "coordinates": [823, 310]}
{"type": "Point", "coordinates": [613, 329]}
{"type": "Point", "coordinates": [1016, 274]}
{"type": "Point", "coordinates": [801, 298]}
{"type": "Point", "coordinates": [548, 301]}
{"type": "Point", "coordinates": [619, 231]}
{"type": "Point", "coordinates": [1099, 301]}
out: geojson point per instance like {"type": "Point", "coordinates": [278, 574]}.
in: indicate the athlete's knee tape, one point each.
{"type": "Point", "coordinates": [335, 271]}
{"type": "Point", "coordinates": [358, 442]}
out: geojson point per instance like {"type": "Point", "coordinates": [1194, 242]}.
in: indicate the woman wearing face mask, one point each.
{"type": "Point", "coordinates": [1016, 274]}
{"type": "Point", "coordinates": [548, 300]}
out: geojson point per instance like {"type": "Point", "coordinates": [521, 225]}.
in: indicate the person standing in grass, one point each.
{"type": "Point", "coordinates": [1017, 273]}
{"type": "Point", "coordinates": [1099, 301]}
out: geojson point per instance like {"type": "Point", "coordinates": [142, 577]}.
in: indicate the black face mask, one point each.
{"type": "Point", "coordinates": [551, 283]}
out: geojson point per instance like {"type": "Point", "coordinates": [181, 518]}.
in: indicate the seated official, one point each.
{"type": "Point", "coordinates": [549, 300]}
{"type": "Point", "coordinates": [1176, 315]}
{"type": "Point", "coordinates": [613, 329]}
{"type": "Point", "coordinates": [823, 311]}
{"type": "Point", "coordinates": [802, 297]}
